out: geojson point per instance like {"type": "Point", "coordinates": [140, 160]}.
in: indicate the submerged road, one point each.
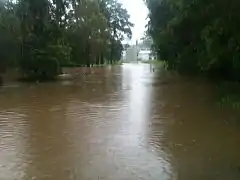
{"type": "Point", "coordinates": [120, 123]}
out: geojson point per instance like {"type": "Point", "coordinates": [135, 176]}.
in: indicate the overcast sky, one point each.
{"type": "Point", "coordinates": [138, 14]}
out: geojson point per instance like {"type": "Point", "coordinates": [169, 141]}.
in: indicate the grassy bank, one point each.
{"type": "Point", "coordinates": [229, 94]}
{"type": "Point", "coordinates": [155, 62]}
{"type": "Point", "coordinates": [93, 65]}
{"type": "Point", "coordinates": [15, 74]}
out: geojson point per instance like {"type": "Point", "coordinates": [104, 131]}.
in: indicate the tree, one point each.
{"type": "Point", "coordinates": [118, 23]}
{"type": "Point", "coordinates": [45, 35]}
{"type": "Point", "coordinates": [197, 36]}
{"type": "Point", "coordinates": [9, 35]}
{"type": "Point", "coordinates": [146, 42]}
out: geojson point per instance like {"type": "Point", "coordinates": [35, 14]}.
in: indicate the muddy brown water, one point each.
{"type": "Point", "coordinates": [121, 123]}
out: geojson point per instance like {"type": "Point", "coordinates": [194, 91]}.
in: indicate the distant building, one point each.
{"type": "Point", "coordinates": [144, 55]}
{"type": "Point", "coordinates": [131, 54]}
{"type": "Point", "coordinates": [134, 53]}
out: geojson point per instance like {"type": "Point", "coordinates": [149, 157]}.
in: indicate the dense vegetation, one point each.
{"type": "Point", "coordinates": [197, 36]}
{"type": "Point", "coordinates": [41, 36]}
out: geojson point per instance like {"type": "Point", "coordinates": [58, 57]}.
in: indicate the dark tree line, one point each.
{"type": "Point", "coordinates": [197, 36]}
{"type": "Point", "coordinates": [41, 36]}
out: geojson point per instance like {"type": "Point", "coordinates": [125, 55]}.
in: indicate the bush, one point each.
{"type": "Point", "coordinates": [61, 52]}
{"type": "Point", "coordinates": [41, 66]}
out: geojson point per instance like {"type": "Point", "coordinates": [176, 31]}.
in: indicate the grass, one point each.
{"type": "Point", "coordinates": [129, 62]}
{"type": "Point", "coordinates": [117, 63]}
{"type": "Point", "coordinates": [72, 65]}
{"type": "Point", "coordinates": [155, 62]}
{"type": "Point", "coordinates": [231, 100]}
{"type": "Point", "coordinates": [229, 94]}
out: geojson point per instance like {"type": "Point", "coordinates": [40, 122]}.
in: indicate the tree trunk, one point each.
{"type": "Point", "coordinates": [88, 55]}
{"type": "Point", "coordinates": [97, 60]}
{"type": "Point", "coordinates": [102, 59]}
{"type": "Point", "coordinates": [111, 54]}
{"type": "Point", "coordinates": [1, 81]}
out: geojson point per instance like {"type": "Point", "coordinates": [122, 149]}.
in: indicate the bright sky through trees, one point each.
{"type": "Point", "coordinates": [138, 12]}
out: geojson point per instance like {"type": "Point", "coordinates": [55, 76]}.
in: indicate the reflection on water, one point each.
{"type": "Point", "coordinates": [121, 123]}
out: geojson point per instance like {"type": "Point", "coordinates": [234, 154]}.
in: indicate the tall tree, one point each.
{"type": "Point", "coordinates": [49, 34]}
{"type": "Point", "coordinates": [118, 22]}
{"type": "Point", "coordinates": [197, 36]}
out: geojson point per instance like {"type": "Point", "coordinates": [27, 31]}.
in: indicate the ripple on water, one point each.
{"type": "Point", "coordinates": [130, 126]}
{"type": "Point", "coordinates": [12, 144]}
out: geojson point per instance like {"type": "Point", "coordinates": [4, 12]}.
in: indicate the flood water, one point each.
{"type": "Point", "coordinates": [120, 123]}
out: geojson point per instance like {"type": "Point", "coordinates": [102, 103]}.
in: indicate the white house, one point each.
{"type": "Point", "coordinates": [134, 54]}
{"type": "Point", "coordinates": [131, 54]}
{"type": "Point", "coordinates": [144, 55]}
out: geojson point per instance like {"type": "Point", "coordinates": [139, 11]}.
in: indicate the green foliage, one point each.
{"type": "Point", "coordinates": [9, 35]}
{"type": "Point", "coordinates": [42, 66]}
{"type": "Point", "coordinates": [61, 53]}
{"type": "Point", "coordinates": [197, 36]}
{"type": "Point", "coordinates": [228, 94]}
{"type": "Point", "coordinates": [41, 36]}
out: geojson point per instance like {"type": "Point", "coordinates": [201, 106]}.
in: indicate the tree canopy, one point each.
{"type": "Point", "coordinates": [197, 35]}
{"type": "Point", "coordinates": [41, 36]}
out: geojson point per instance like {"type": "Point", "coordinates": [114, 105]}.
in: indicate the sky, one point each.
{"type": "Point", "coordinates": [138, 13]}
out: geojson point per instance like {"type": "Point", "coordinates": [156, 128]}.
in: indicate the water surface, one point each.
{"type": "Point", "coordinates": [119, 123]}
